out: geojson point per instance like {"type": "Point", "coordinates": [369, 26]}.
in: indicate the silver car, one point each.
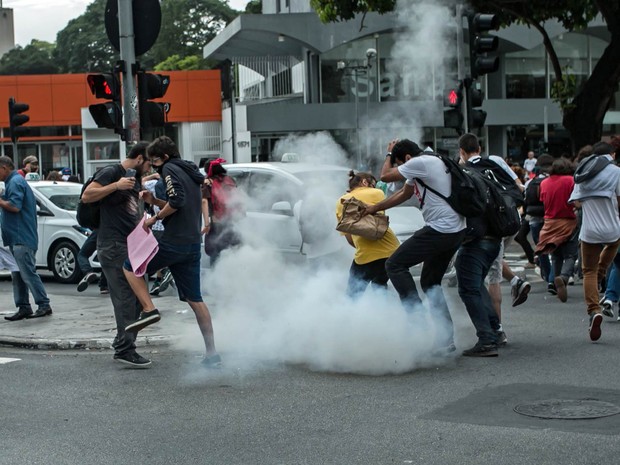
{"type": "Point", "coordinates": [291, 206]}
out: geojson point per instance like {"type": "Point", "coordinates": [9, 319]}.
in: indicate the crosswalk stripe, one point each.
{"type": "Point", "coordinates": [4, 361]}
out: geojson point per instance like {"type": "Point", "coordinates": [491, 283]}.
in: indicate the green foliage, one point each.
{"type": "Point", "coordinates": [187, 26]}
{"type": "Point", "coordinates": [343, 10]}
{"type": "Point", "coordinates": [34, 58]}
{"type": "Point", "coordinates": [563, 91]}
{"type": "Point", "coordinates": [83, 46]}
{"type": "Point", "coordinates": [254, 7]}
{"type": "Point", "coordinates": [572, 14]}
{"type": "Point", "coordinates": [176, 62]}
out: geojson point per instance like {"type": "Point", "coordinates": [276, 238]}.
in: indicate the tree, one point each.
{"type": "Point", "coordinates": [254, 7]}
{"type": "Point", "coordinates": [175, 62]}
{"type": "Point", "coordinates": [583, 108]}
{"type": "Point", "coordinates": [34, 58]}
{"type": "Point", "coordinates": [187, 26]}
{"type": "Point", "coordinates": [83, 46]}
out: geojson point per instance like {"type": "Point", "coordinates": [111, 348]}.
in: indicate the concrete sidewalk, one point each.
{"type": "Point", "coordinates": [86, 320]}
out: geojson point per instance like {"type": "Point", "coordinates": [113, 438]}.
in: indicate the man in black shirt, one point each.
{"type": "Point", "coordinates": [179, 247]}
{"type": "Point", "coordinates": [119, 194]}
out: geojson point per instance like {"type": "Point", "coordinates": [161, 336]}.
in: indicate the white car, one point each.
{"type": "Point", "coordinates": [286, 201]}
{"type": "Point", "coordinates": [60, 235]}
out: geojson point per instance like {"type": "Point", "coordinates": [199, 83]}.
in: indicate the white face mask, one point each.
{"type": "Point", "coordinates": [1, 187]}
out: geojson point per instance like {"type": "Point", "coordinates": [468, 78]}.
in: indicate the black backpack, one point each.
{"type": "Point", "coordinates": [502, 177]}
{"type": "Point", "coordinates": [89, 214]}
{"type": "Point", "coordinates": [533, 205]}
{"type": "Point", "coordinates": [469, 196]}
{"type": "Point", "coordinates": [502, 214]}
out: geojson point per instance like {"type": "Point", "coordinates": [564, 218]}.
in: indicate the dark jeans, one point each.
{"type": "Point", "coordinates": [88, 249]}
{"type": "Point", "coordinates": [369, 273]}
{"type": "Point", "coordinates": [127, 308]}
{"type": "Point", "coordinates": [521, 239]}
{"type": "Point", "coordinates": [472, 265]}
{"type": "Point", "coordinates": [565, 256]}
{"type": "Point", "coordinates": [435, 250]}
{"type": "Point", "coordinates": [543, 259]}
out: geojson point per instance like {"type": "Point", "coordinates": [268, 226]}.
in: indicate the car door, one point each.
{"type": "Point", "coordinates": [271, 197]}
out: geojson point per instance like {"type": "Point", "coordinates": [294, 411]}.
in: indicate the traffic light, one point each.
{"type": "Point", "coordinates": [453, 116]}
{"type": "Point", "coordinates": [110, 114]}
{"type": "Point", "coordinates": [482, 44]}
{"type": "Point", "coordinates": [17, 119]}
{"type": "Point", "coordinates": [152, 86]}
{"type": "Point", "coordinates": [475, 116]}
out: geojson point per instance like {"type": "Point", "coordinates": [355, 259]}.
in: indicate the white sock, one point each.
{"type": "Point", "coordinates": [514, 281]}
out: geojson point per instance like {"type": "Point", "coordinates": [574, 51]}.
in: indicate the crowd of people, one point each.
{"type": "Point", "coordinates": [569, 207]}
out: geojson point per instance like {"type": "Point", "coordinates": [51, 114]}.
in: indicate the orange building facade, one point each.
{"type": "Point", "coordinates": [62, 133]}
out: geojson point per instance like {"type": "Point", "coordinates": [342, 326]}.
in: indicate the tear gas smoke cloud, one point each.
{"type": "Point", "coordinates": [317, 148]}
{"type": "Point", "coordinates": [267, 309]}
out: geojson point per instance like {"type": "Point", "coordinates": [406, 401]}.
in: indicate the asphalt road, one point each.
{"type": "Point", "coordinates": [80, 408]}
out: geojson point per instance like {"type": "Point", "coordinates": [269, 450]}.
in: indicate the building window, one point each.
{"type": "Point", "coordinates": [525, 73]}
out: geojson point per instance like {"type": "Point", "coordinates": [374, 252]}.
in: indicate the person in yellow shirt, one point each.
{"type": "Point", "coordinates": [368, 265]}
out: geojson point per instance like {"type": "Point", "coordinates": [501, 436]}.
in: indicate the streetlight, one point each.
{"type": "Point", "coordinates": [356, 70]}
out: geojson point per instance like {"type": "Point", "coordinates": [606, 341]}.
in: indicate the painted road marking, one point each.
{"type": "Point", "coordinates": [4, 361]}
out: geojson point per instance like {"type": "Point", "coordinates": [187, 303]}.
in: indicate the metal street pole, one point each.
{"type": "Point", "coordinates": [131, 117]}
{"type": "Point", "coordinates": [357, 122]}
{"type": "Point", "coordinates": [462, 71]}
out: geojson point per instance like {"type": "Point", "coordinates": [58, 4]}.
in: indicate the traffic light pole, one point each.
{"type": "Point", "coordinates": [128, 57]}
{"type": "Point", "coordinates": [462, 70]}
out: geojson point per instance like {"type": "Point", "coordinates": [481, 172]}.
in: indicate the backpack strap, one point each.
{"type": "Point", "coordinates": [426, 186]}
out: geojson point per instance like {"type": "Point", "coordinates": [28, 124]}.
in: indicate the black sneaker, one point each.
{"type": "Point", "coordinates": [89, 278]}
{"type": "Point", "coordinates": [156, 287]}
{"type": "Point", "coordinates": [595, 326]}
{"type": "Point", "coordinates": [212, 361]}
{"type": "Point", "coordinates": [551, 289]}
{"type": "Point", "coordinates": [133, 359]}
{"type": "Point", "coordinates": [165, 281]}
{"type": "Point", "coordinates": [481, 350]}
{"type": "Point", "coordinates": [519, 292]}
{"type": "Point", "coordinates": [41, 312]}
{"type": "Point", "coordinates": [502, 340]}
{"type": "Point", "coordinates": [145, 319]}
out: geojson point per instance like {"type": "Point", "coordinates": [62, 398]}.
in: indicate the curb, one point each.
{"type": "Point", "coordinates": [78, 344]}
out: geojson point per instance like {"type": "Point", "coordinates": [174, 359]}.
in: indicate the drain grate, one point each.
{"type": "Point", "coordinates": [561, 409]}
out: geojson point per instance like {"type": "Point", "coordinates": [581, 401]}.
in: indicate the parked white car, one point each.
{"type": "Point", "coordinates": [276, 193]}
{"type": "Point", "coordinates": [60, 235]}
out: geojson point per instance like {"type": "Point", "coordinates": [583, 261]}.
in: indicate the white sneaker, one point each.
{"type": "Point", "coordinates": [607, 308]}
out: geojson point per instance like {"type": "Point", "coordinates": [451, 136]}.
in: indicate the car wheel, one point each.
{"type": "Point", "coordinates": [63, 263]}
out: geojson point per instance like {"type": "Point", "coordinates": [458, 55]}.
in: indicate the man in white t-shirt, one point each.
{"type": "Point", "coordinates": [436, 243]}
{"type": "Point", "coordinates": [597, 192]}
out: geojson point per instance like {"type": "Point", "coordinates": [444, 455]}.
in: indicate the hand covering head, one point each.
{"type": "Point", "coordinates": [217, 161]}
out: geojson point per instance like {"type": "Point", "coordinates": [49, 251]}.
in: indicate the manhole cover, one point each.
{"type": "Point", "coordinates": [568, 409]}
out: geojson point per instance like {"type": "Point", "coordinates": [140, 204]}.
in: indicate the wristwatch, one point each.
{"type": "Point", "coordinates": [389, 154]}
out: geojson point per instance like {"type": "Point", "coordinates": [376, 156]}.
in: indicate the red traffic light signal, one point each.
{"type": "Point", "coordinates": [106, 115]}
{"type": "Point", "coordinates": [104, 86]}
{"type": "Point", "coordinates": [17, 118]}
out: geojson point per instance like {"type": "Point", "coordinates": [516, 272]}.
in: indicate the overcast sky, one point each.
{"type": "Point", "coordinates": [42, 19]}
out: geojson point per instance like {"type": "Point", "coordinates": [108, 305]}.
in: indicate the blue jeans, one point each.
{"type": "Point", "coordinates": [434, 250]}
{"type": "Point", "coordinates": [472, 265]}
{"type": "Point", "coordinates": [88, 248]}
{"type": "Point", "coordinates": [613, 281]}
{"type": "Point", "coordinates": [27, 279]}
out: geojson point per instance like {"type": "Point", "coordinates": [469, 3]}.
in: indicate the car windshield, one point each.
{"type": "Point", "coordinates": [335, 179]}
{"type": "Point", "coordinates": [65, 196]}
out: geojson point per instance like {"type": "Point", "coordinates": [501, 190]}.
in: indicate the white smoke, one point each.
{"type": "Point", "coordinates": [317, 147]}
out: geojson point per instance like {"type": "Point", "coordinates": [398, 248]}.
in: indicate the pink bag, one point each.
{"type": "Point", "coordinates": [142, 247]}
